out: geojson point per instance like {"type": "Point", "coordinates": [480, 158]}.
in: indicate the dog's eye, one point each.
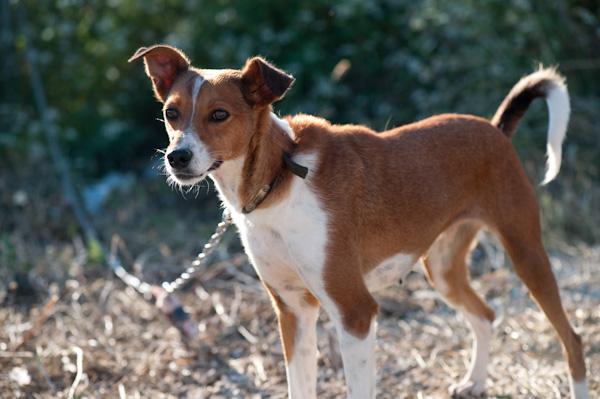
{"type": "Point", "coordinates": [219, 115]}
{"type": "Point", "coordinates": [171, 114]}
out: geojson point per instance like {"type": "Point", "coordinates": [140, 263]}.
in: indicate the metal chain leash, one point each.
{"type": "Point", "coordinates": [164, 295]}
{"type": "Point", "coordinates": [203, 257]}
{"type": "Point", "coordinates": [201, 260]}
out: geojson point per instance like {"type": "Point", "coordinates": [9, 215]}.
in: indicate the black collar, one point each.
{"type": "Point", "coordinates": [259, 197]}
{"type": "Point", "coordinates": [295, 168]}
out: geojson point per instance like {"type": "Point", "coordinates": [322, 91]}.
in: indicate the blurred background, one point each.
{"type": "Point", "coordinates": [382, 63]}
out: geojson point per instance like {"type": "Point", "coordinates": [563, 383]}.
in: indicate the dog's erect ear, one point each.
{"type": "Point", "coordinates": [163, 65]}
{"type": "Point", "coordinates": [263, 83]}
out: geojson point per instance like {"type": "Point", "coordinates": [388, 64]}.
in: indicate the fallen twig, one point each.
{"type": "Point", "coordinates": [78, 375]}
{"type": "Point", "coordinates": [122, 392]}
{"type": "Point", "coordinates": [36, 324]}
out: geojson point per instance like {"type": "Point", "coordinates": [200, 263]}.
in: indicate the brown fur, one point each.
{"type": "Point", "coordinates": [435, 171]}
{"type": "Point", "coordinates": [262, 83]}
{"type": "Point", "coordinates": [264, 161]}
{"type": "Point", "coordinates": [449, 254]}
{"type": "Point", "coordinates": [287, 323]}
{"type": "Point", "coordinates": [164, 65]}
{"type": "Point", "coordinates": [388, 193]}
{"type": "Point", "coordinates": [402, 188]}
{"type": "Point", "coordinates": [248, 131]}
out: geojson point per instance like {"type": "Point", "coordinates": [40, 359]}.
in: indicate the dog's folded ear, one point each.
{"type": "Point", "coordinates": [163, 64]}
{"type": "Point", "coordinates": [263, 83]}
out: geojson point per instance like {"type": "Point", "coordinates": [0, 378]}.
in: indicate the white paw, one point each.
{"type": "Point", "coordinates": [579, 389]}
{"type": "Point", "coordinates": [467, 389]}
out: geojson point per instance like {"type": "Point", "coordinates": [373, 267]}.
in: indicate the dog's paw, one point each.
{"type": "Point", "coordinates": [467, 389]}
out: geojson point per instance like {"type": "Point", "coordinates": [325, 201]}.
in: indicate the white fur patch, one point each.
{"type": "Point", "coordinates": [284, 231]}
{"type": "Point", "coordinates": [579, 389]}
{"type": "Point", "coordinates": [302, 369]}
{"type": "Point", "coordinates": [227, 180]}
{"type": "Point", "coordinates": [474, 381]}
{"type": "Point", "coordinates": [559, 110]}
{"type": "Point", "coordinates": [201, 160]}
{"type": "Point", "coordinates": [358, 356]}
{"type": "Point", "coordinates": [276, 238]}
{"type": "Point", "coordinates": [389, 272]}
{"type": "Point", "coordinates": [283, 125]}
{"type": "Point", "coordinates": [195, 91]}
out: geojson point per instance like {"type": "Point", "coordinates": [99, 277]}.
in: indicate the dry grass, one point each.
{"type": "Point", "coordinates": [129, 350]}
{"type": "Point", "coordinates": [70, 329]}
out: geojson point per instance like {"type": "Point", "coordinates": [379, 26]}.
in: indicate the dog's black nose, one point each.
{"type": "Point", "coordinates": [179, 159]}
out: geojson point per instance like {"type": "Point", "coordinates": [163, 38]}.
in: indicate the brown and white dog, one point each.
{"type": "Point", "coordinates": [330, 213]}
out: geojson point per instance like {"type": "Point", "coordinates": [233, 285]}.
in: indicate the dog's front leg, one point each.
{"type": "Point", "coordinates": [358, 355]}
{"type": "Point", "coordinates": [353, 312]}
{"type": "Point", "coordinates": [297, 312]}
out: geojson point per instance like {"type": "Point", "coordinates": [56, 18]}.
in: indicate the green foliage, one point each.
{"type": "Point", "coordinates": [397, 61]}
{"type": "Point", "coordinates": [95, 254]}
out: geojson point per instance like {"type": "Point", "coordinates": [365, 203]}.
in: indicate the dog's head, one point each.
{"type": "Point", "coordinates": [210, 115]}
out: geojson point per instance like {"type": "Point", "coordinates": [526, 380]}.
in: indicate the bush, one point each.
{"type": "Point", "coordinates": [383, 63]}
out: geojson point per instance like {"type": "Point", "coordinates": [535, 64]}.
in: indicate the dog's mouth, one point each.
{"type": "Point", "coordinates": [185, 177]}
{"type": "Point", "coordinates": [191, 178]}
{"type": "Point", "coordinates": [215, 166]}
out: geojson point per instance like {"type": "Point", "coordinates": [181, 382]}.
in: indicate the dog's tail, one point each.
{"type": "Point", "coordinates": [545, 83]}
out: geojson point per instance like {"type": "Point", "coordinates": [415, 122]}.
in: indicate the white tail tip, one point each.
{"type": "Point", "coordinates": [559, 109]}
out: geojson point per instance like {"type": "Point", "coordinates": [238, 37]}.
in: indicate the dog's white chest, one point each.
{"type": "Point", "coordinates": [286, 242]}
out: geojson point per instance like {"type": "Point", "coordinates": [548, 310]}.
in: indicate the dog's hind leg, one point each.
{"type": "Point", "coordinates": [446, 269]}
{"type": "Point", "coordinates": [519, 231]}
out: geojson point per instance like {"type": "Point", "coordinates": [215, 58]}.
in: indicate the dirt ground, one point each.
{"type": "Point", "coordinates": [126, 348]}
